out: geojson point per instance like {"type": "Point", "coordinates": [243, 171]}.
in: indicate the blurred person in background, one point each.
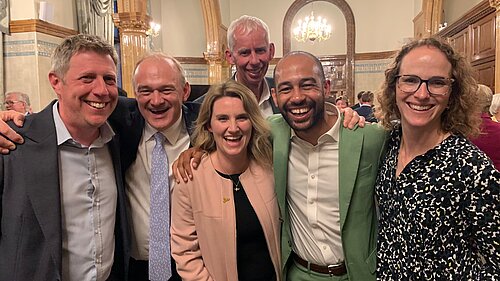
{"type": "Point", "coordinates": [18, 101]}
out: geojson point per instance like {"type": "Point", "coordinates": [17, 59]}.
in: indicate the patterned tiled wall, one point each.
{"type": "Point", "coordinates": [196, 74]}
{"type": "Point", "coordinates": [369, 75]}
{"type": "Point", "coordinates": [27, 63]}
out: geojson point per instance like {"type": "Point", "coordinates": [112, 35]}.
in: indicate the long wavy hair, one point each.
{"type": "Point", "coordinates": [462, 115]}
{"type": "Point", "coordinates": [259, 146]}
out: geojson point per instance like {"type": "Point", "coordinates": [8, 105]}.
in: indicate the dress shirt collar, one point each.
{"type": "Point", "coordinates": [172, 134]}
{"type": "Point", "coordinates": [106, 133]}
{"type": "Point", "coordinates": [264, 95]}
{"type": "Point", "coordinates": [333, 133]}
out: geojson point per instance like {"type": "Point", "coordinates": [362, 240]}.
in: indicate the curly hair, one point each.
{"type": "Point", "coordinates": [259, 146]}
{"type": "Point", "coordinates": [462, 114]}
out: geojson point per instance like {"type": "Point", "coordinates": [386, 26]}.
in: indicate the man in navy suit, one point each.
{"type": "Point", "coordinates": [62, 202]}
{"type": "Point", "coordinates": [161, 92]}
{"type": "Point", "coordinates": [366, 107]}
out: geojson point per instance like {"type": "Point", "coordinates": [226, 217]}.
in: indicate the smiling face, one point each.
{"type": "Point", "coordinates": [340, 103]}
{"type": "Point", "coordinates": [87, 93]}
{"type": "Point", "coordinates": [422, 110]}
{"type": "Point", "coordinates": [231, 128]}
{"type": "Point", "coordinates": [300, 94]}
{"type": "Point", "coordinates": [160, 92]}
{"type": "Point", "coordinates": [251, 54]}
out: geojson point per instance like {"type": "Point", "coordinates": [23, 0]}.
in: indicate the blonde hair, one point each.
{"type": "Point", "coordinates": [76, 44]}
{"type": "Point", "coordinates": [259, 147]}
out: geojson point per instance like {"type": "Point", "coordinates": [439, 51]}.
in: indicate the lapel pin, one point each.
{"type": "Point", "coordinates": [225, 200]}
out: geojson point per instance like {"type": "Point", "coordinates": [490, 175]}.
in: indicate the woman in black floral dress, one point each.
{"type": "Point", "coordinates": [438, 194]}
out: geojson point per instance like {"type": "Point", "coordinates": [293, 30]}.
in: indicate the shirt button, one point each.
{"type": "Point", "coordinates": [313, 176]}
{"type": "Point", "coordinates": [324, 248]}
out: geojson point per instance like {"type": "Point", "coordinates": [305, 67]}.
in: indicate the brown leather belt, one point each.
{"type": "Point", "coordinates": [333, 270]}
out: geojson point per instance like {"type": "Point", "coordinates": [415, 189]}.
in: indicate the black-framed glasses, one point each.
{"type": "Point", "coordinates": [438, 86]}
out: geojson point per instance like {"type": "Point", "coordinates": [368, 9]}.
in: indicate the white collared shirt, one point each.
{"type": "Point", "coordinates": [88, 204]}
{"type": "Point", "coordinates": [313, 196]}
{"type": "Point", "coordinates": [138, 181]}
{"type": "Point", "coordinates": [265, 100]}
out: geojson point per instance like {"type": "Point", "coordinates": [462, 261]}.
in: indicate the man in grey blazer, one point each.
{"type": "Point", "coordinates": [62, 202]}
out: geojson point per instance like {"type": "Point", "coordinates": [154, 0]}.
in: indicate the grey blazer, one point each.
{"type": "Point", "coordinates": [30, 209]}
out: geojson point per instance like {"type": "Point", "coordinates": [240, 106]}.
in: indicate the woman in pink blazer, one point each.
{"type": "Point", "coordinates": [225, 222]}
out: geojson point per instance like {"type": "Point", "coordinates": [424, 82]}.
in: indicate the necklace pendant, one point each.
{"type": "Point", "coordinates": [236, 188]}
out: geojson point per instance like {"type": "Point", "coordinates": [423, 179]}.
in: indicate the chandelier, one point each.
{"type": "Point", "coordinates": [154, 29]}
{"type": "Point", "coordinates": [312, 29]}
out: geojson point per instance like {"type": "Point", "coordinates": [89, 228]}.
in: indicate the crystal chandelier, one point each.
{"type": "Point", "coordinates": [312, 29]}
{"type": "Point", "coordinates": [154, 29]}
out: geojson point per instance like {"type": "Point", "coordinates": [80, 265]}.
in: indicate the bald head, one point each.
{"type": "Point", "coordinates": [297, 59]}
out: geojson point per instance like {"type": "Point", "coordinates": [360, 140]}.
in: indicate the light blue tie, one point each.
{"type": "Point", "coordinates": [159, 214]}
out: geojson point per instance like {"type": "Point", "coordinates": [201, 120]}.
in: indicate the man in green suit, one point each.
{"type": "Point", "coordinates": [324, 176]}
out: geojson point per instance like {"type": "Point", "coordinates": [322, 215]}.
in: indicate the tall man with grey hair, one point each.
{"type": "Point", "coordinates": [250, 51]}
{"type": "Point", "coordinates": [18, 101]}
{"type": "Point", "coordinates": [62, 202]}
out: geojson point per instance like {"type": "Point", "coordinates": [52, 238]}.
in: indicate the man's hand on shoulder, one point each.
{"type": "Point", "coordinates": [182, 166]}
{"type": "Point", "coordinates": [352, 118]}
{"type": "Point", "coordinates": [8, 137]}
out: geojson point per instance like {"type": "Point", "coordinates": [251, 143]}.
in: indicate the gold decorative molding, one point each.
{"type": "Point", "coordinates": [375, 55]}
{"type": "Point", "coordinates": [476, 13]}
{"type": "Point", "coordinates": [132, 21]}
{"type": "Point", "coordinates": [216, 34]}
{"type": "Point", "coordinates": [191, 60]}
{"type": "Point", "coordinates": [495, 4]}
{"type": "Point", "coordinates": [40, 26]}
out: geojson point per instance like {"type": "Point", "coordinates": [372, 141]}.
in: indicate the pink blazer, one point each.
{"type": "Point", "coordinates": [204, 225]}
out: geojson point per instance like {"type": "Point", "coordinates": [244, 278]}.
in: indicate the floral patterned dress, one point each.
{"type": "Point", "coordinates": [440, 218]}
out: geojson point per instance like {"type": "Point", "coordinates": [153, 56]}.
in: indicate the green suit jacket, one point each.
{"type": "Point", "coordinates": [360, 151]}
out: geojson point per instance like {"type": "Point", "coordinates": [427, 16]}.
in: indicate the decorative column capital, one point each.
{"type": "Point", "coordinates": [214, 53]}
{"type": "Point", "coordinates": [495, 4]}
{"type": "Point", "coordinates": [135, 22]}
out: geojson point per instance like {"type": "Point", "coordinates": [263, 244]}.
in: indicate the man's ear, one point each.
{"type": "Point", "coordinates": [271, 51]}
{"type": "Point", "coordinates": [186, 91]}
{"type": "Point", "coordinates": [229, 56]}
{"type": "Point", "coordinates": [275, 96]}
{"type": "Point", "coordinates": [326, 88]}
{"type": "Point", "coordinates": [56, 82]}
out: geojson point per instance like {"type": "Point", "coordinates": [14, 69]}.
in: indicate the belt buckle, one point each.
{"type": "Point", "coordinates": [331, 268]}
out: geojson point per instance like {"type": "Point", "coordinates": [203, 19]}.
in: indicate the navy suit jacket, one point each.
{"type": "Point", "coordinates": [30, 206]}
{"type": "Point", "coordinates": [128, 122]}
{"type": "Point", "coordinates": [367, 112]}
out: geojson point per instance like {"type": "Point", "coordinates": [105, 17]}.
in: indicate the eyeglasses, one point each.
{"type": "Point", "coordinates": [438, 86]}
{"type": "Point", "coordinates": [12, 102]}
